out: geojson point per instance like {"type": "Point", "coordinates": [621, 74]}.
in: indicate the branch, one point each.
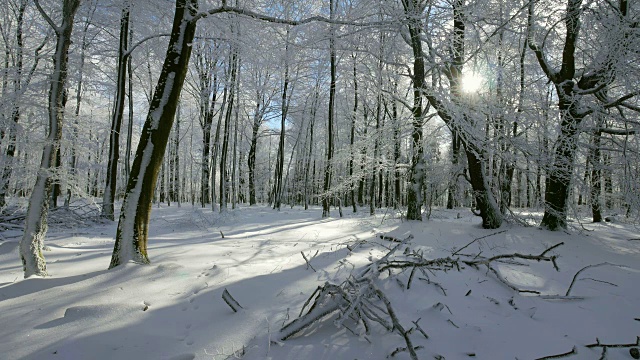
{"type": "Point", "coordinates": [476, 239]}
{"type": "Point", "coordinates": [575, 277]}
{"type": "Point", "coordinates": [307, 261]}
{"type": "Point", "coordinates": [46, 17]}
{"type": "Point", "coordinates": [133, 47]}
{"type": "Point", "coordinates": [573, 351]}
{"type": "Point", "coordinates": [540, 257]}
{"type": "Point", "coordinates": [396, 323]}
{"type": "Point", "coordinates": [233, 304]}
{"type": "Point", "coordinates": [617, 131]}
{"type": "Point", "coordinates": [613, 103]}
{"type": "Point", "coordinates": [598, 344]}
{"type": "Point", "coordinates": [538, 50]}
{"type": "Point", "coordinates": [276, 20]}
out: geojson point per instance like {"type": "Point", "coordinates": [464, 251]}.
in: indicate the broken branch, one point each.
{"type": "Point", "coordinates": [233, 304]}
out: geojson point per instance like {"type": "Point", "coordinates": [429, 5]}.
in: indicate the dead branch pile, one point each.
{"type": "Point", "coordinates": [358, 304]}
{"type": "Point", "coordinates": [72, 216]}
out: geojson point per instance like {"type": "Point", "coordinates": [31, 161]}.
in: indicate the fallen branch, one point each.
{"type": "Point", "coordinates": [395, 239]}
{"type": "Point", "coordinates": [233, 304]}
{"type": "Point", "coordinates": [575, 277]}
{"type": "Point", "coordinates": [487, 262]}
{"type": "Point", "coordinates": [420, 328]}
{"type": "Point", "coordinates": [307, 261]}
{"type": "Point", "coordinates": [598, 344]}
{"type": "Point", "coordinates": [573, 351]}
{"type": "Point", "coordinates": [358, 299]}
{"type": "Point", "coordinates": [396, 323]}
{"type": "Point", "coordinates": [476, 239]}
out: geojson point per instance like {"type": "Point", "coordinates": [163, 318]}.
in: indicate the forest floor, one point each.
{"type": "Point", "coordinates": [173, 309]}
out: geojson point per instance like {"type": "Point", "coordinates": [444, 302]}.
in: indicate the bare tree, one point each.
{"type": "Point", "coordinates": [35, 230]}
{"type": "Point", "coordinates": [332, 96]}
{"type": "Point", "coordinates": [132, 232]}
{"type": "Point", "coordinates": [116, 121]}
{"type": "Point", "coordinates": [576, 90]}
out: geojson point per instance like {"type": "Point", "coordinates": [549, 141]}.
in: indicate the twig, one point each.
{"type": "Point", "coordinates": [307, 261]}
{"type": "Point", "coordinates": [598, 344]}
{"type": "Point", "coordinates": [401, 349]}
{"type": "Point", "coordinates": [395, 239]}
{"type": "Point", "coordinates": [602, 281]}
{"type": "Point", "coordinates": [396, 323]}
{"type": "Point", "coordinates": [434, 284]}
{"type": "Point", "coordinates": [560, 297]}
{"type": "Point", "coordinates": [420, 328]}
{"type": "Point", "coordinates": [413, 271]}
{"type": "Point", "coordinates": [476, 239]}
{"type": "Point", "coordinates": [573, 351]}
{"type": "Point", "coordinates": [233, 304]}
{"type": "Point", "coordinates": [575, 277]}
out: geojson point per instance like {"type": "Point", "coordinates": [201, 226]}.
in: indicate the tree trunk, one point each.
{"type": "Point", "coordinates": [176, 160]}
{"type": "Point", "coordinates": [416, 174]}
{"type": "Point", "coordinates": [73, 161]}
{"type": "Point", "coordinates": [116, 122]}
{"type": "Point", "coordinates": [596, 178]}
{"type": "Point", "coordinates": [559, 177]}
{"type": "Point", "coordinates": [35, 229]}
{"type": "Point", "coordinates": [132, 232]}
{"type": "Point", "coordinates": [332, 95]}
{"type": "Point", "coordinates": [277, 183]}
{"type": "Point", "coordinates": [353, 136]}
{"type": "Point", "coordinates": [307, 167]}
{"type": "Point", "coordinates": [452, 190]}
{"type": "Point", "coordinates": [127, 153]}
{"type": "Point", "coordinates": [226, 130]}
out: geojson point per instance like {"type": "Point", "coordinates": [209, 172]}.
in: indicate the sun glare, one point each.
{"type": "Point", "coordinates": [471, 82]}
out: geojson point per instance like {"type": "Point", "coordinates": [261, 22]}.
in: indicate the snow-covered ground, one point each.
{"type": "Point", "coordinates": [173, 308]}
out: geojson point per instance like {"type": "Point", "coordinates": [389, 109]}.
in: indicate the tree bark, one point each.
{"type": "Point", "coordinates": [332, 95]}
{"type": "Point", "coordinates": [277, 183]}
{"type": "Point", "coordinates": [352, 137]}
{"type": "Point", "coordinates": [416, 174]}
{"type": "Point", "coordinates": [35, 229]}
{"type": "Point", "coordinates": [116, 122]}
{"type": "Point", "coordinates": [132, 233]}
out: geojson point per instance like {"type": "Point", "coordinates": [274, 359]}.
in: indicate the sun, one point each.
{"type": "Point", "coordinates": [471, 82]}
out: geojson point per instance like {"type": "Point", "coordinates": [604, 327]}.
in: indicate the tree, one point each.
{"type": "Point", "coordinates": [332, 96]}
{"type": "Point", "coordinates": [132, 232]}
{"type": "Point", "coordinates": [576, 89]}
{"type": "Point", "coordinates": [413, 10]}
{"type": "Point", "coordinates": [116, 121]}
{"type": "Point", "coordinates": [19, 85]}
{"type": "Point", "coordinates": [35, 229]}
{"type": "Point", "coordinates": [206, 66]}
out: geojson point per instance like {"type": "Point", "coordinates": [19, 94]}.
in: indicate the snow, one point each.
{"type": "Point", "coordinates": [173, 308]}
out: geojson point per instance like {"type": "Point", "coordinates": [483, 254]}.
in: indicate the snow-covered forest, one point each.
{"type": "Point", "coordinates": [391, 155]}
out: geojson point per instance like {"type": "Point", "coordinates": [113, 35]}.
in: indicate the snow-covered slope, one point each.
{"type": "Point", "coordinates": [173, 309]}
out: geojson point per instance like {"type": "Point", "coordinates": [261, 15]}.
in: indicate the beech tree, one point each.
{"type": "Point", "coordinates": [118, 112]}
{"type": "Point", "coordinates": [581, 91]}
{"type": "Point", "coordinates": [32, 243]}
{"type": "Point", "coordinates": [132, 232]}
